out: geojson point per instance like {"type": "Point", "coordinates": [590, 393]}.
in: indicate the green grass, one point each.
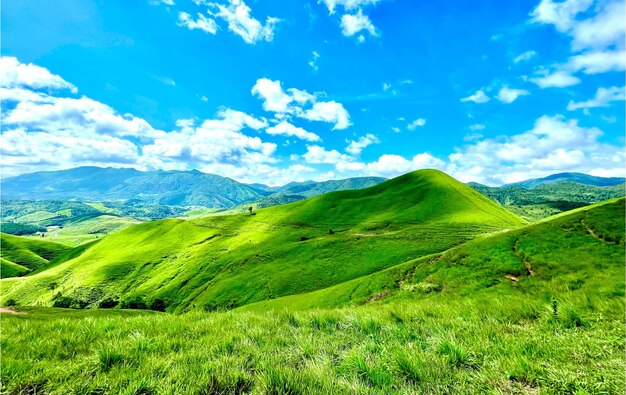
{"type": "Point", "coordinates": [467, 346]}
{"type": "Point", "coordinates": [21, 255]}
{"type": "Point", "coordinates": [228, 261]}
{"type": "Point", "coordinates": [535, 309]}
{"type": "Point", "coordinates": [83, 230]}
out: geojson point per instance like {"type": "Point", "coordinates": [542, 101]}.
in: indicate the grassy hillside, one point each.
{"type": "Point", "coordinates": [580, 252]}
{"type": "Point", "coordinates": [550, 198]}
{"type": "Point", "coordinates": [20, 255]}
{"type": "Point", "coordinates": [226, 262]}
{"type": "Point", "coordinates": [535, 310]}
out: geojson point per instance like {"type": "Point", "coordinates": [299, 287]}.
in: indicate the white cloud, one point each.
{"type": "Point", "coordinates": [478, 97]}
{"type": "Point", "coordinates": [525, 56]}
{"type": "Point", "coordinates": [317, 155]}
{"type": "Point", "coordinates": [420, 122]}
{"type": "Point", "coordinates": [240, 22]}
{"type": "Point", "coordinates": [552, 145]}
{"type": "Point", "coordinates": [603, 30]}
{"type": "Point", "coordinates": [313, 61]}
{"type": "Point", "coordinates": [203, 23]}
{"type": "Point", "coordinates": [299, 103]}
{"type": "Point", "coordinates": [603, 98]}
{"type": "Point", "coordinates": [386, 86]}
{"type": "Point", "coordinates": [557, 79]}
{"type": "Point", "coordinates": [14, 74]}
{"type": "Point", "coordinates": [347, 4]}
{"type": "Point", "coordinates": [597, 62]}
{"type": "Point", "coordinates": [273, 96]}
{"type": "Point", "coordinates": [477, 126]}
{"type": "Point", "coordinates": [597, 30]}
{"type": "Point", "coordinates": [355, 147]}
{"type": "Point", "coordinates": [389, 165]}
{"type": "Point", "coordinates": [329, 111]}
{"type": "Point", "coordinates": [352, 24]}
{"type": "Point", "coordinates": [284, 128]}
{"type": "Point", "coordinates": [509, 95]}
{"type": "Point", "coordinates": [560, 14]}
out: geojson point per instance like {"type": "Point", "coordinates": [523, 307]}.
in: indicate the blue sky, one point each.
{"type": "Point", "coordinates": [276, 91]}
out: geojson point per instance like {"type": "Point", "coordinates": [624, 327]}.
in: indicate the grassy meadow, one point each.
{"type": "Point", "coordinates": [442, 291]}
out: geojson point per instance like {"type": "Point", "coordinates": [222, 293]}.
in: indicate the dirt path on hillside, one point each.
{"type": "Point", "coordinates": [527, 265]}
{"type": "Point", "coordinates": [590, 231]}
{"type": "Point", "coordinates": [9, 311]}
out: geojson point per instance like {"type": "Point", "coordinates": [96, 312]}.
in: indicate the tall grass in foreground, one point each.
{"type": "Point", "coordinates": [478, 345]}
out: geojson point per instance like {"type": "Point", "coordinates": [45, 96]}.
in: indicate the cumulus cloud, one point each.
{"type": "Point", "coordinates": [353, 21]}
{"type": "Point", "coordinates": [14, 74]}
{"type": "Point", "coordinates": [203, 23]}
{"type": "Point", "coordinates": [44, 131]}
{"type": "Point", "coordinates": [596, 29]}
{"type": "Point", "coordinates": [316, 154]}
{"type": "Point", "coordinates": [478, 97]}
{"type": "Point", "coordinates": [355, 147]}
{"type": "Point", "coordinates": [299, 103]}
{"type": "Point", "coordinates": [509, 95]}
{"type": "Point", "coordinates": [348, 5]}
{"type": "Point", "coordinates": [390, 165]}
{"type": "Point", "coordinates": [238, 16]}
{"type": "Point", "coordinates": [603, 98]}
{"type": "Point", "coordinates": [557, 79]}
{"type": "Point", "coordinates": [553, 145]}
{"type": "Point", "coordinates": [352, 24]}
{"type": "Point", "coordinates": [420, 122]}
{"type": "Point", "coordinates": [284, 128]}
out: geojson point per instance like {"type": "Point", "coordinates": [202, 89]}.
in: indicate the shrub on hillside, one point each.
{"type": "Point", "coordinates": [108, 303]}
{"type": "Point", "coordinates": [133, 302]}
{"type": "Point", "coordinates": [158, 305]}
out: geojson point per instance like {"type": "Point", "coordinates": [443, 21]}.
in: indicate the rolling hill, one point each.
{"type": "Point", "coordinates": [20, 255]}
{"type": "Point", "coordinates": [229, 261]}
{"type": "Point", "coordinates": [537, 309]}
{"type": "Point", "coordinates": [581, 251]}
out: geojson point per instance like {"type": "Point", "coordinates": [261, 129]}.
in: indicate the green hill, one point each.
{"type": "Point", "coordinates": [21, 255]}
{"type": "Point", "coordinates": [581, 251]}
{"type": "Point", "coordinates": [539, 309]}
{"type": "Point", "coordinates": [229, 261]}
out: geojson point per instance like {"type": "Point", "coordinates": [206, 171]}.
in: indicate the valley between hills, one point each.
{"type": "Point", "coordinates": [417, 284]}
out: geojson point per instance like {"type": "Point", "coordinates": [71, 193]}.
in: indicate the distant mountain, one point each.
{"type": "Point", "coordinates": [580, 178]}
{"type": "Point", "coordinates": [295, 191]}
{"type": "Point", "coordinates": [169, 188]}
{"type": "Point", "coordinates": [176, 188]}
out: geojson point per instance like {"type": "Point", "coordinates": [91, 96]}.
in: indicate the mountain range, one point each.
{"type": "Point", "coordinates": [195, 188]}
{"type": "Point", "coordinates": [173, 188]}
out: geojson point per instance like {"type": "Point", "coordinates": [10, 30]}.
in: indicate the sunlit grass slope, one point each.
{"type": "Point", "coordinates": [581, 252]}
{"type": "Point", "coordinates": [19, 255]}
{"type": "Point", "coordinates": [538, 310]}
{"type": "Point", "coordinates": [229, 261]}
